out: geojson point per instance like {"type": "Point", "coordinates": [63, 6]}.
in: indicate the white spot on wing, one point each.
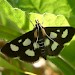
{"type": "Point", "coordinates": [47, 42]}
{"type": "Point", "coordinates": [30, 52]}
{"type": "Point", "coordinates": [53, 35]}
{"type": "Point", "coordinates": [27, 42]}
{"type": "Point", "coordinates": [20, 40]}
{"type": "Point", "coordinates": [65, 33]}
{"type": "Point", "coordinates": [54, 46]}
{"type": "Point", "coordinates": [58, 30]}
{"type": "Point", "coordinates": [14, 47]}
{"type": "Point", "coordinates": [36, 45]}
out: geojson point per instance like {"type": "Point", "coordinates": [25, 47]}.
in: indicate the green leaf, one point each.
{"type": "Point", "coordinates": [9, 32]}
{"type": "Point", "coordinates": [14, 14]}
{"type": "Point", "coordinates": [42, 6]}
{"type": "Point", "coordinates": [11, 20]}
{"type": "Point", "coordinates": [72, 14]}
{"type": "Point", "coordinates": [63, 65]}
{"type": "Point", "coordinates": [6, 65]}
{"type": "Point", "coordinates": [65, 7]}
{"type": "Point", "coordinates": [69, 53]}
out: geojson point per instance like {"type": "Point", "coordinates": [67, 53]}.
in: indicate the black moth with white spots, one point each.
{"type": "Point", "coordinates": [39, 42]}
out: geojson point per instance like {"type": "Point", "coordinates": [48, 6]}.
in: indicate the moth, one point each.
{"type": "Point", "coordinates": [39, 42]}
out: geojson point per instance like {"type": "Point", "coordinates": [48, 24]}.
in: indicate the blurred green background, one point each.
{"type": "Point", "coordinates": [15, 17]}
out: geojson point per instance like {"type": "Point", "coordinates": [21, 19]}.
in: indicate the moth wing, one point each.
{"type": "Point", "coordinates": [22, 47]}
{"type": "Point", "coordinates": [58, 36]}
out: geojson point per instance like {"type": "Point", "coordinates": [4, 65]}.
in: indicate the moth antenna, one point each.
{"type": "Point", "coordinates": [31, 22]}
{"type": "Point", "coordinates": [36, 21]}
{"type": "Point", "coordinates": [38, 28]}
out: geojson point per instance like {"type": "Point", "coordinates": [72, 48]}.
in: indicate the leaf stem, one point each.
{"type": "Point", "coordinates": [66, 62]}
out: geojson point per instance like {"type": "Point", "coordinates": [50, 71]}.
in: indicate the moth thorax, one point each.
{"type": "Point", "coordinates": [40, 33]}
{"type": "Point", "coordinates": [35, 33]}
{"type": "Point", "coordinates": [43, 31]}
